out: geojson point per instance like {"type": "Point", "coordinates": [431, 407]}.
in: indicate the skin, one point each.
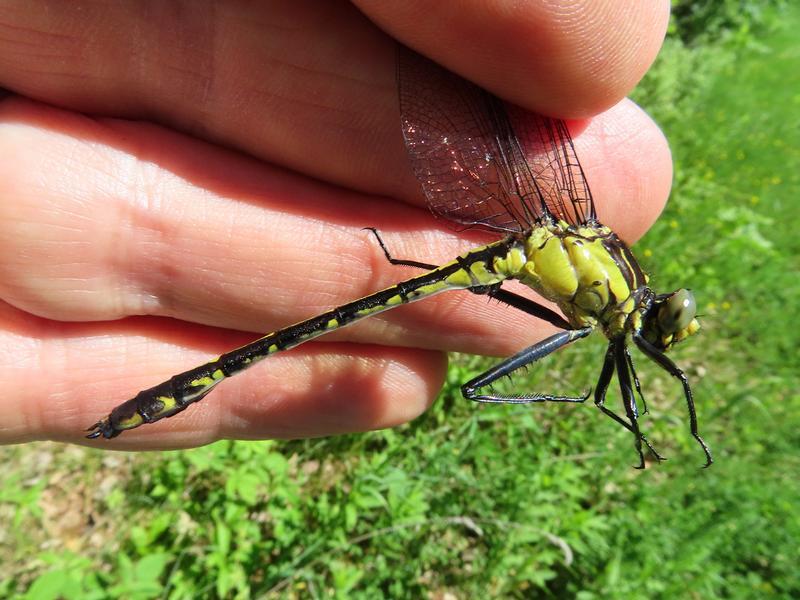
{"type": "Point", "coordinates": [173, 178]}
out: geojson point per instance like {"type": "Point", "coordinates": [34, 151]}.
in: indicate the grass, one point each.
{"type": "Point", "coordinates": [502, 501]}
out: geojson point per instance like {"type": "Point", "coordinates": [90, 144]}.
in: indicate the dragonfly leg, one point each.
{"type": "Point", "coordinates": [628, 399]}
{"type": "Point", "coordinates": [635, 380]}
{"type": "Point", "coordinates": [521, 359]}
{"type": "Point", "coordinates": [529, 306]}
{"type": "Point", "coordinates": [670, 367]}
{"type": "Point", "coordinates": [600, 397]}
{"type": "Point", "coordinates": [397, 261]}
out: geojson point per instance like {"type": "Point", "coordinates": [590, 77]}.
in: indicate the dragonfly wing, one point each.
{"type": "Point", "coordinates": [474, 167]}
{"type": "Point", "coordinates": [554, 165]}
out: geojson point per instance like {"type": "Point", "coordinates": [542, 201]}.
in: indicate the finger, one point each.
{"type": "Point", "coordinates": [108, 219]}
{"type": "Point", "coordinates": [59, 378]}
{"type": "Point", "coordinates": [311, 86]}
{"type": "Point", "coordinates": [561, 58]}
{"type": "Point", "coordinates": [306, 85]}
{"type": "Point", "coordinates": [628, 165]}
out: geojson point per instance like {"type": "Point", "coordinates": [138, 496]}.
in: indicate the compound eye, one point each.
{"type": "Point", "coordinates": [677, 312]}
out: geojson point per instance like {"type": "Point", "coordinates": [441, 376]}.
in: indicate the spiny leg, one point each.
{"type": "Point", "coordinates": [670, 367]}
{"type": "Point", "coordinates": [636, 383]}
{"type": "Point", "coordinates": [600, 397]}
{"type": "Point", "coordinates": [628, 400]}
{"type": "Point", "coordinates": [521, 359]}
{"type": "Point", "coordinates": [397, 261]}
{"type": "Point", "coordinates": [529, 306]}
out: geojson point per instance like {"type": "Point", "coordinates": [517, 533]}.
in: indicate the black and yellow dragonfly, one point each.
{"type": "Point", "coordinates": [488, 164]}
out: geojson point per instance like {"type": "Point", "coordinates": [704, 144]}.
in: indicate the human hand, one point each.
{"type": "Point", "coordinates": [237, 155]}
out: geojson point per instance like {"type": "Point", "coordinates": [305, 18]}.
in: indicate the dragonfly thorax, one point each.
{"type": "Point", "coordinates": [588, 271]}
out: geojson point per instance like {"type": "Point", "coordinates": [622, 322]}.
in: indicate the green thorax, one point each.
{"type": "Point", "coordinates": [586, 270]}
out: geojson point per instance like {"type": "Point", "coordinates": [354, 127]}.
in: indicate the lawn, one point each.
{"type": "Point", "coordinates": [506, 501]}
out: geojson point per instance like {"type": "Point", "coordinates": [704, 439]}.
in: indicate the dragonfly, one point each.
{"type": "Point", "coordinates": [487, 164]}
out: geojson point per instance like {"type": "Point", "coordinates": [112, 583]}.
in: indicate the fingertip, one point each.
{"type": "Point", "coordinates": [564, 59]}
{"type": "Point", "coordinates": [413, 383]}
{"type": "Point", "coordinates": [343, 388]}
{"type": "Point", "coordinates": [628, 165]}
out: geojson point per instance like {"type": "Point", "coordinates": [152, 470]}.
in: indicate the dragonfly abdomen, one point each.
{"type": "Point", "coordinates": [481, 267]}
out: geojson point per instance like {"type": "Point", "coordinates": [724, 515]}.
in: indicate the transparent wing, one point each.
{"type": "Point", "coordinates": [482, 162]}
{"type": "Point", "coordinates": [554, 166]}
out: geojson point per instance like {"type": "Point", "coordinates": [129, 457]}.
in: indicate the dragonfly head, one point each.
{"type": "Point", "coordinates": [671, 318]}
